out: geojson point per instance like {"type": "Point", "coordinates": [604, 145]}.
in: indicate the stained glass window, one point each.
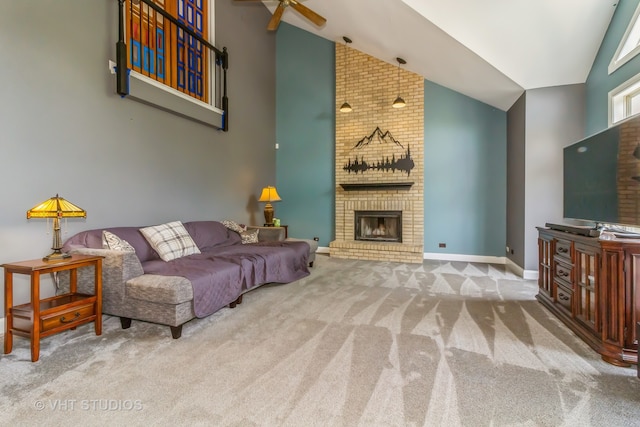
{"type": "Point", "coordinates": [160, 50]}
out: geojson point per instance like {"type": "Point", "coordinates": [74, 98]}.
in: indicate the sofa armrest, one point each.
{"type": "Point", "coordinates": [117, 268]}
{"type": "Point", "coordinates": [269, 234]}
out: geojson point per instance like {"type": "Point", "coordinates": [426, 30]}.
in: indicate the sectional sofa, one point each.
{"type": "Point", "coordinates": [174, 272]}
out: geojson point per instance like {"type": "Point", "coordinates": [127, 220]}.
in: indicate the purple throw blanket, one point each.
{"type": "Point", "coordinates": [220, 275]}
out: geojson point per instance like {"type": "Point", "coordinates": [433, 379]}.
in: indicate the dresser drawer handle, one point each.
{"type": "Point", "coordinates": [564, 297]}
{"type": "Point", "coordinates": [563, 250]}
{"type": "Point", "coordinates": [563, 273]}
{"type": "Point", "coordinates": [75, 316]}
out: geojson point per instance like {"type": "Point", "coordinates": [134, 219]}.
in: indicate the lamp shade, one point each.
{"type": "Point", "coordinates": [56, 207]}
{"type": "Point", "coordinates": [269, 194]}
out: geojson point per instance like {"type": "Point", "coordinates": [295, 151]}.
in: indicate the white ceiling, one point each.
{"type": "Point", "coordinates": [489, 50]}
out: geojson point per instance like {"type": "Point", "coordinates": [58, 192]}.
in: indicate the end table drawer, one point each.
{"type": "Point", "coordinates": [72, 315]}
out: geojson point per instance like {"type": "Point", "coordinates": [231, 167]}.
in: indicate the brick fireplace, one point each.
{"type": "Point", "coordinates": [379, 161]}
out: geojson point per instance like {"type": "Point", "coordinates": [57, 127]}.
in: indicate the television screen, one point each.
{"type": "Point", "coordinates": [602, 176]}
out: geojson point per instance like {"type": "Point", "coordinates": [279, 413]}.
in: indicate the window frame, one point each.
{"type": "Point", "coordinates": [156, 93]}
{"type": "Point", "coordinates": [620, 100]}
{"type": "Point", "coordinates": [633, 29]}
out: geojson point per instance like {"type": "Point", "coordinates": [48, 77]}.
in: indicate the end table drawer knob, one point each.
{"type": "Point", "coordinates": [75, 316]}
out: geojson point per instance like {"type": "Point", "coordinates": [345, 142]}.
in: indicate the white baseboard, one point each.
{"type": "Point", "coordinates": [525, 274]}
{"type": "Point", "coordinates": [512, 266]}
{"type": "Point", "coordinates": [465, 258]}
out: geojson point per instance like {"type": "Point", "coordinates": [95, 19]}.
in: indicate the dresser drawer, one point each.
{"type": "Point", "coordinates": [563, 297]}
{"type": "Point", "coordinates": [563, 249]}
{"type": "Point", "coordinates": [63, 318]}
{"type": "Point", "coordinates": [563, 272]}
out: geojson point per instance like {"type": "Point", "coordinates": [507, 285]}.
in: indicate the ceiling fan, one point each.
{"type": "Point", "coordinates": [302, 10]}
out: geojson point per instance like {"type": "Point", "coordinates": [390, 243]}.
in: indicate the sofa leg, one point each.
{"type": "Point", "coordinates": [311, 264]}
{"type": "Point", "coordinates": [125, 322]}
{"type": "Point", "coordinates": [236, 302]}
{"type": "Point", "coordinates": [176, 331]}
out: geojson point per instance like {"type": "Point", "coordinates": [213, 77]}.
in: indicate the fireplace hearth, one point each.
{"type": "Point", "coordinates": [378, 226]}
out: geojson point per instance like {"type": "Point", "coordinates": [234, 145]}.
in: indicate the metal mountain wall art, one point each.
{"type": "Point", "coordinates": [403, 163]}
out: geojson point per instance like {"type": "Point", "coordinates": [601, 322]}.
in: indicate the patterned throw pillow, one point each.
{"type": "Point", "coordinates": [250, 236]}
{"type": "Point", "coordinates": [234, 226]}
{"type": "Point", "coordinates": [170, 240]}
{"type": "Point", "coordinates": [113, 242]}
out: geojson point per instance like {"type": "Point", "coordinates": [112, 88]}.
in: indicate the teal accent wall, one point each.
{"type": "Point", "coordinates": [465, 150]}
{"type": "Point", "coordinates": [599, 82]}
{"type": "Point", "coordinates": [305, 132]}
{"type": "Point", "coordinates": [465, 154]}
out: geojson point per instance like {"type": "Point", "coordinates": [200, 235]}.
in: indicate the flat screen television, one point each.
{"type": "Point", "coordinates": [602, 176]}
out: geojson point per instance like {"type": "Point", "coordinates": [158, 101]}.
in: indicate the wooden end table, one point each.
{"type": "Point", "coordinates": [286, 228]}
{"type": "Point", "coordinates": [43, 317]}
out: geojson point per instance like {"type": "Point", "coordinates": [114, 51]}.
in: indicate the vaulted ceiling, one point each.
{"type": "Point", "coordinates": [490, 50]}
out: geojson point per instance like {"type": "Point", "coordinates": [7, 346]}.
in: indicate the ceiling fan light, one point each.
{"type": "Point", "coordinates": [399, 103]}
{"type": "Point", "coordinates": [346, 108]}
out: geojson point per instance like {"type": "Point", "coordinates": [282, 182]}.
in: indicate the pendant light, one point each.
{"type": "Point", "coordinates": [399, 102]}
{"type": "Point", "coordinates": [346, 108]}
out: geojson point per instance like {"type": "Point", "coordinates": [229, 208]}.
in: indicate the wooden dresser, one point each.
{"type": "Point", "coordinates": [590, 284]}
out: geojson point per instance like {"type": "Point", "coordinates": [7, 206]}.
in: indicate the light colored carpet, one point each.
{"type": "Point", "coordinates": [357, 343]}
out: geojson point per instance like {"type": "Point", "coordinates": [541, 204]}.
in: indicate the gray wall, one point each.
{"type": "Point", "coordinates": [63, 130]}
{"type": "Point", "coordinates": [553, 118]}
{"type": "Point", "coordinates": [516, 126]}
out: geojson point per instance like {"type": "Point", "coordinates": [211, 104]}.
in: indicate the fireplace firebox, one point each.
{"type": "Point", "coordinates": [378, 226]}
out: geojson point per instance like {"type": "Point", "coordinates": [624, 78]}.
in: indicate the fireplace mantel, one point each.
{"type": "Point", "coordinates": [369, 186]}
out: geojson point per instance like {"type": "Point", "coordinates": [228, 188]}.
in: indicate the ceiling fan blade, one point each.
{"type": "Point", "coordinates": [308, 13]}
{"type": "Point", "coordinates": [275, 19]}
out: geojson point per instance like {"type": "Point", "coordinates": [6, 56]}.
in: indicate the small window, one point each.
{"type": "Point", "coordinates": [629, 45]}
{"type": "Point", "coordinates": [624, 101]}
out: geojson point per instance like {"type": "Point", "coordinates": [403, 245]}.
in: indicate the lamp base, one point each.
{"type": "Point", "coordinates": [268, 214]}
{"type": "Point", "coordinates": [56, 255]}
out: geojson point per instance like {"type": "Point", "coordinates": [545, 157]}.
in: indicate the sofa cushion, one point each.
{"type": "Point", "coordinates": [170, 240]}
{"type": "Point", "coordinates": [93, 239]}
{"type": "Point", "coordinates": [313, 247]}
{"type": "Point", "coordinates": [160, 289]}
{"type": "Point", "coordinates": [211, 234]}
{"type": "Point", "coordinates": [113, 242]}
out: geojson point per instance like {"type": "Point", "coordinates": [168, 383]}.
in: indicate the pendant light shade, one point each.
{"type": "Point", "coordinates": [399, 102]}
{"type": "Point", "coordinates": [346, 107]}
